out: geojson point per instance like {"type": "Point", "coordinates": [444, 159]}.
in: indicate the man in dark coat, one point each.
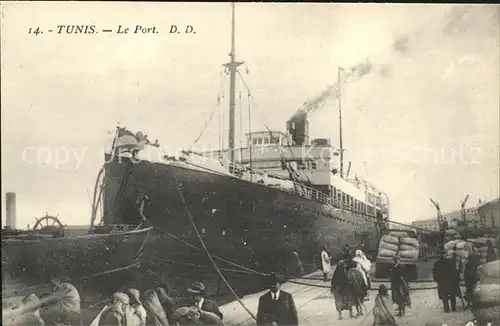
{"type": "Point", "coordinates": [399, 287]}
{"type": "Point", "coordinates": [277, 306]}
{"type": "Point", "coordinates": [471, 277]}
{"type": "Point", "coordinates": [448, 280]}
{"type": "Point", "coordinates": [197, 292]}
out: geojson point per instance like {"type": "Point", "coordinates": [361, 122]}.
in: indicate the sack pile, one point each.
{"type": "Point", "coordinates": [451, 234]}
{"type": "Point", "coordinates": [398, 243]}
{"type": "Point", "coordinates": [481, 247]}
{"type": "Point", "coordinates": [461, 248]}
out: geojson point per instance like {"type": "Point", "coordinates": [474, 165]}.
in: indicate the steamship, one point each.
{"type": "Point", "coordinates": [253, 206]}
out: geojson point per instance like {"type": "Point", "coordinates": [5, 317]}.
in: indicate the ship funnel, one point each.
{"type": "Point", "coordinates": [10, 210]}
{"type": "Point", "coordinates": [298, 128]}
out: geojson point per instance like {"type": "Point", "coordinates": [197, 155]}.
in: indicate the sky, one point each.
{"type": "Point", "coordinates": [420, 120]}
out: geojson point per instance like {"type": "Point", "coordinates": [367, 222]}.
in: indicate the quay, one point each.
{"type": "Point", "coordinates": [315, 305]}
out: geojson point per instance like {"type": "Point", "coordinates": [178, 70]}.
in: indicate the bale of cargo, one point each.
{"type": "Point", "coordinates": [389, 246]}
{"type": "Point", "coordinates": [484, 240]}
{"type": "Point", "coordinates": [461, 253]}
{"type": "Point", "coordinates": [449, 254]}
{"type": "Point", "coordinates": [386, 253]}
{"type": "Point", "coordinates": [390, 239]}
{"type": "Point", "coordinates": [398, 234]}
{"type": "Point", "coordinates": [410, 242]}
{"type": "Point", "coordinates": [406, 247]}
{"type": "Point", "coordinates": [408, 254]}
{"type": "Point", "coordinates": [489, 272]}
{"type": "Point", "coordinates": [477, 243]}
{"type": "Point", "coordinates": [450, 245]}
{"type": "Point", "coordinates": [486, 302]}
{"type": "Point", "coordinates": [460, 244]}
{"type": "Point", "coordinates": [468, 246]}
{"type": "Point", "coordinates": [451, 232]}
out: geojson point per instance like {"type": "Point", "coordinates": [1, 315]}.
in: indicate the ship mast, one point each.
{"type": "Point", "coordinates": [340, 124]}
{"type": "Point", "coordinates": [233, 68]}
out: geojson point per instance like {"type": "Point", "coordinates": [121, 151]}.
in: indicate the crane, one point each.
{"type": "Point", "coordinates": [443, 224]}
{"type": "Point", "coordinates": [464, 222]}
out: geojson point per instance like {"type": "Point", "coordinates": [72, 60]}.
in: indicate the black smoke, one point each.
{"type": "Point", "coordinates": [353, 73]}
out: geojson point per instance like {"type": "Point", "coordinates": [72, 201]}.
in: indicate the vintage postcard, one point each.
{"type": "Point", "coordinates": [221, 163]}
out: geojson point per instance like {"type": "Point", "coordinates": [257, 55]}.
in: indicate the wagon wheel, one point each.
{"type": "Point", "coordinates": [49, 224]}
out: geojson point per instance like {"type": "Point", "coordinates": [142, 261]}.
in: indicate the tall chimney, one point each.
{"type": "Point", "coordinates": [10, 208]}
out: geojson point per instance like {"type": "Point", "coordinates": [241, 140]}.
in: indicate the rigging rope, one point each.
{"type": "Point", "coordinates": [241, 127]}
{"type": "Point", "coordinates": [342, 208]}
{"type": "Point", "coordinates": [207, 252]}
{"type": "Point", "coordinates": [281, 154]}
{"type": "Point", "coordinates": [211, 115]}
{"type": "Point", "coordinates": [300, 173]}
{"type": "Point", "coordinates": [250, 128]}
{"type": "Point", "coordinates": [214, 256]}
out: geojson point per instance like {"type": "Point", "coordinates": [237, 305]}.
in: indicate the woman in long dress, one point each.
{"type": "Point", "coordinates": [363, 265]}
{"type": "Point", "coordinates": [341, 290]}
{"type": "Point", "coordinates": [325, 263]}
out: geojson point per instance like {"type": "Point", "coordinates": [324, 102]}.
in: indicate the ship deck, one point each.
{"type": "Point", "coordinates": [315, 306]}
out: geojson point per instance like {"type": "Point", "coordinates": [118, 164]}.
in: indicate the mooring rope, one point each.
{"type": "Point", "coordinates": [197, 266]}
{"type": "Point", "coordinates": [290, 278]}
{"type": "Point", "coordinates": [208, 253]}
{"type": "Point", "coordinates": [214, 256]}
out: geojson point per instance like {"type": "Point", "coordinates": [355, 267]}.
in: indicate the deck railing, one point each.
{"type": "Point", "coordinates": [300, 190]}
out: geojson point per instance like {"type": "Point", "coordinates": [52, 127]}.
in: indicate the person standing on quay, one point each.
{"type": "Point", "coordinates": [447, 278]}
{"type": "Point", "coordinates": [298, 269]}
{"type": "Point", "coordinates": [399, 286]}
{"type": "Point", "coordinates": [277, 307]}
{"type": "Point", "coordinates": [382, 310]}
{"type": "Point", "coordinates": [325, 263]}
{"type": "Point", "coordinates": [198, 292]}
{"type": "Point", "coordinates": [470, 277]}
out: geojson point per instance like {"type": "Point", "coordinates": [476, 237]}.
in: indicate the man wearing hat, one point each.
{"type": "Point", "coordinates": [276, 306]}
{"type": "Point", "coordinates": [197, 292]}
{"type": "Point", "coordinates": [447, 278]}
{"type": "Point", "coordinates": [194, 316]}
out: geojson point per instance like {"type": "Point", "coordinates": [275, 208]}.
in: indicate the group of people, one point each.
{"type": "Point", "coordinates": [351, 282]}
{"type": "Point", "coordinates": [157, 308]}
{"type": "Point", "coordinates": [61, 307]}
{"type": "Point", "coordinates": [447, 274]}
{"type": "Point", "coordinates": [358, 261]}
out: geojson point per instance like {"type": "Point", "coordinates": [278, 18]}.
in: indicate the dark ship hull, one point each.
{"type": "Point", "coordinates": [92, 261]}
{"type": "Point", "coordinates": [247, 223]}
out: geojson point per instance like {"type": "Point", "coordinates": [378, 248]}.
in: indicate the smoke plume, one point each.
{"type": "Point", "coordinates": [401, 45]}
{"type": "Point", "coordinates": [353, 73]}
